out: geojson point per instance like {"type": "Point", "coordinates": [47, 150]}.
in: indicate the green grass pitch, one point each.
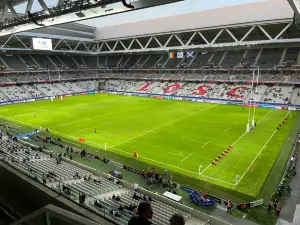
{"type": "Point", "coordinates": [176, 135]}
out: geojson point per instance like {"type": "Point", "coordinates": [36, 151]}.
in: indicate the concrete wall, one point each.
{"type": "Point", "coordinates": [253, 12]}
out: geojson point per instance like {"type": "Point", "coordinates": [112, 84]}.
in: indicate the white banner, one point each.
{"type": "Point", "coordinates": [42, 44]}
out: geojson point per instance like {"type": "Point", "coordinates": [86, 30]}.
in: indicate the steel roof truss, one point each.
{"type": "Point", "coordinates": [57, 44]}
{"type": "Point", "coordinates": [44, 5]}
{"type": "Point", "coordinates": [231, 35]}
{"type": "Point", "coordinates": [123, 45]}
{"type": "Point", "coordinates": [202, 36]}
{"type": "Point", "coordinates": [115, 45]}
{"type": "Point", "coordinates": [4, 44]}
{"type": "Point", "coordinates": [158, 42]}
{"type": "Point", "coordinates": [100, 47]}
{"type": "Point", "coordinates": [20, 41]}
{"type": "Point", "coordinates": [4, 13]}
{"type": "Point", "coordinates": [216, 37]}
{"type": "Point", "coordinates": [12, 9]}
{"type": "Point", "coordinates": [131, 43]}
{"type": "Point", "coordinates": [85, 46]}
{"type": "Point", "coordinates": [93, 49]}
{"type": "Point", "coordinates": [137, 40]}
{"type": "Point", "coordinates": [182, 44]}
{"type": "Point", "coordinates": [108, 46]}
{"type": "Point", "coordinates": [191, 38]}
{"type": "Point", "coordinates": [77, 45]}
{"type": "Point", "coordinates": [265, 32]}
{"type": "Point", "coordinates": [283, 30]}
{"type": "Point", "coordinates": [67, 44]}
{"type": "Point", "coordinates": [29, 6]}
{"type": "Point", "coordinates": [247, 34]}
{"type": "Point", "coordinates": [150, 39]}
{"type": "Point", "coordinates": [169, 39]}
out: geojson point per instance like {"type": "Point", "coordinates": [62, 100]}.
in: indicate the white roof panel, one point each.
{"type": "Point", "coordinates": [253, 12]}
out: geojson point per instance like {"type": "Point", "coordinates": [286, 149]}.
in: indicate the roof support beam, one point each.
{"type": "Point", "coordinates": [191, 38]}
{"type": "Point", "coordinates": [44, 5]}
{"type": "Point", "coordinates": [158, 42]}
{"type": "Point", "coordinates": [150, 39]}
{"type": "Point", "coordinates": [4, 13]}
{"type": "Point", "coordinates": [131, 43]}
{"type": "Point", "coordinates": [20, 41]}
{"type": "Point", "coordinates": [140, 44]}
{"type": "Point", "coordinates": [12, 9]}
{"type": "Point", "coordinates": [123, 45]}
{"type": "Point", "coordinates": [57, 44]}
{"type": "Point", "coordinates": [67, 44]}
{"type": "Point", "coordinates": [169, 39]}
{"type": "Point", "coordinates": [60, 2]}
{"type": "Point", "coordinates": [247, 34]}
{"type": "Point", "coordinates": [100, 47]}
{"type": "Point", "coordinates": [206, 41]}
{"type": "Point", "coordinates": [77, 45]}
{"type": "Point", "coordinates": [179, 40]}
{"type": "Point", "coordinates": [231, 35]}
{"type": "Point", "coordinates": [108, 46]}
{"type": "Point", "coordinates": [6, 41]}
{"type": "Point", "coordinates": [29, 6]}
{"type": "Point", "coordinates": [115, 45]}
{"type": "Point", "coordinates": [283, 30]}
{"type": "Point", "coordinates": [265, 32]}
{"type": "Point", "coordinates": [216, 37]}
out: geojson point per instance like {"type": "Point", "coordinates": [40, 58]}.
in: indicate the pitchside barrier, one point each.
{"type": "Point", "coordinates": [168, 97]}
{"type": "Point", "coordinates": [209, 100]}
{"type": "Point", "coordinates": [195, 213]}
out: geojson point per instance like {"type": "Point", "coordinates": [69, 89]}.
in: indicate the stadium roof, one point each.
{"type": "Point", "coordinates": [269, 10]}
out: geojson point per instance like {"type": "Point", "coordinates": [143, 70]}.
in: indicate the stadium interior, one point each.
{"type": "Point", "coordinates": [238, 60]}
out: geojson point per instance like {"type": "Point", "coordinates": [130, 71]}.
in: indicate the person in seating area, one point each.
{"type": "Point", "coordinates": [144, 214]}
{"type": "Point", "coordinates": [177, 219]}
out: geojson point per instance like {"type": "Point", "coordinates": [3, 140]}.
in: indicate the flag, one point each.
{"type": "Point", "coordinates": [190, 54]}
{"type": "Point", "coordinates": [171, 55]}
{"type": "Point", "coordinates": [179, 55]}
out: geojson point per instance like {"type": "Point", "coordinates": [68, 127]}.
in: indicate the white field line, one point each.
{"type": "Point", "coordinates": [256, 157]}
{"type": "Point", "coordinates": [205, 169]}
{"type": "Point", "coordinates": [205, 144]}
{"type": "Point", "coordinates": [186, 157]}
{"type": "Point", "coordinates": [200, 142]}
{"type": "Point", "coordinates": [234, 142]}
{"type": "Point", "coordinates": [157, 128]}
{"type": "Point", "coordinates": [264, 116]}
{"type": "Point", "coordinates": [87, 118]}
{"type": "Point", "coordinates": [226, 129]}
{"type": "Point", "coordinates": [258, 154]}
{"type": "Point", "coordinates": [218, 180]}
{"type": "Point", "coordinates": [239, 138]}
{"type": "Point", "coordinates": [175, 154]}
